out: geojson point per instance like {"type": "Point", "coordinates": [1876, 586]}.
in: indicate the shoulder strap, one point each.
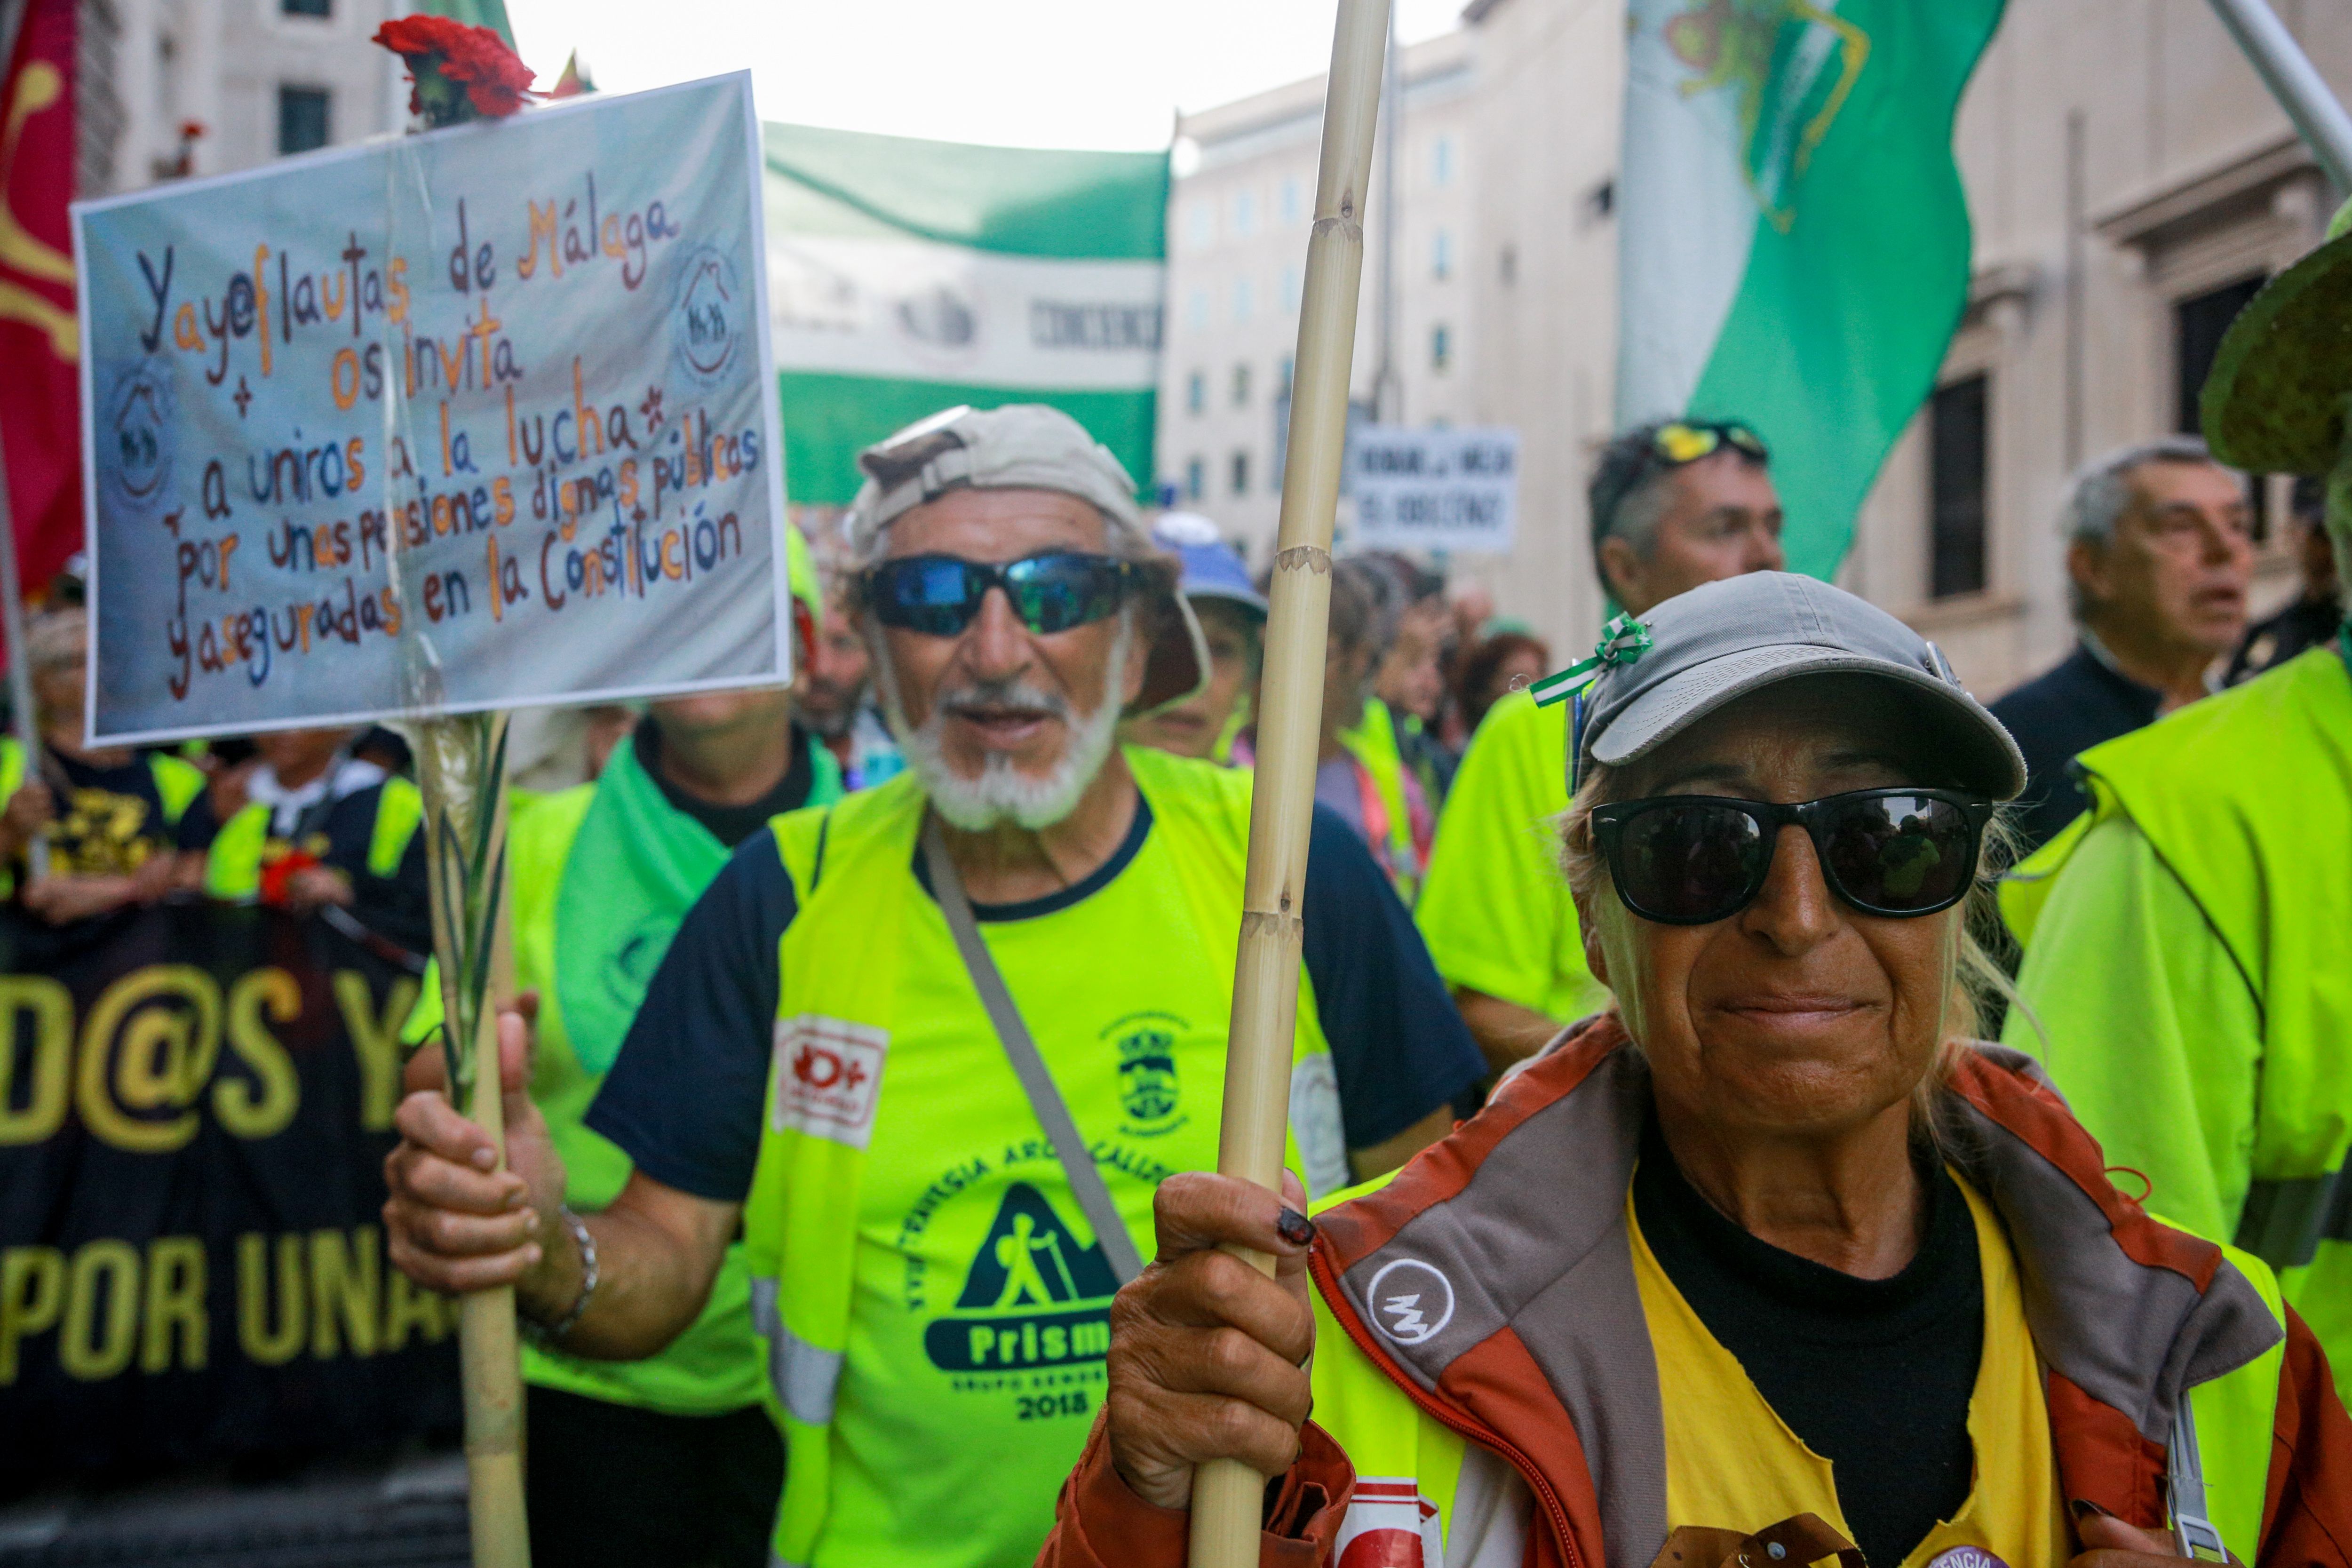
{"type": "Point", "coordinates": [1036, 1079]}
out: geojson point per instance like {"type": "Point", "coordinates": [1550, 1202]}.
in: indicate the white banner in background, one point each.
{"type": "Point", "coordinates": [1450, 490]}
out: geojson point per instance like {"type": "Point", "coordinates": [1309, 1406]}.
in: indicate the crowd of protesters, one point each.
{"type": "Point", "coordinates": [1015, 761]}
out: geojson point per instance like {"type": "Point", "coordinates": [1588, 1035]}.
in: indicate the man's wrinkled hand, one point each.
{"type": "Point", "coordinates": [456, 1221]}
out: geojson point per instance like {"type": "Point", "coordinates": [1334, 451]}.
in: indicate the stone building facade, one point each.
{"type": "Point", "coordinates": [2131, 184]}
{"type": "Point", "coordinates": [169, 88]}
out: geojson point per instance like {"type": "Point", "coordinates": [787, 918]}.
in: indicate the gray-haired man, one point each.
{"type": "Point", "coordinates": [813, 1063]}
{"type": "Point", "coordinates": [2159, 552]}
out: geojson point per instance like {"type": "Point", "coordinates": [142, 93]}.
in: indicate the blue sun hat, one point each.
{"type": "Point", "coordinates": [1212, 570]}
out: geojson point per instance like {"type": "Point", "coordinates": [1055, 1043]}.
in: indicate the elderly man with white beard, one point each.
{"type": "Point", "coordinates": [933, 1048]}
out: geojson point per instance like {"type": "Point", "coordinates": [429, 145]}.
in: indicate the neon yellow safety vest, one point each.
{"type": "Point", "coordinates": [1413, 1472]}
{"type": "Point", "coordinates": [2246, 798]}
{"type": "Point", "coordinates": [177, 784]}
{"type": "Point", "coordinates": [933, 1301]}
{"type": "Point", "coordinates": [233, 871]}
{"type": "Point", "coordinates": [714, 1365]}
{"type": "Point", "coordinates": [1373, 743]}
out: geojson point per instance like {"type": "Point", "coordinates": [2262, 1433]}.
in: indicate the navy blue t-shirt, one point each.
{"type": "Point", "coordinates": [2059, 715]}
{"type": "Point", "coordinates": [684, 1098]}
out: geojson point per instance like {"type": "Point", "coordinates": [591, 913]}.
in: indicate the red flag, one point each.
{"type": "Point", "coordinates": [39, 342]}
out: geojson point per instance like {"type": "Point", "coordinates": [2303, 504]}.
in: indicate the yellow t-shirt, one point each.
{"type": "Point", "coordinates": [1494, 905]}
{"type": "Point", "coordinates": [1733, 1464]}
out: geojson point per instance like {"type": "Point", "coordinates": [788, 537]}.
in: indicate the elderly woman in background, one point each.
{"type": "Point", "coordinates": [1767, 1265]}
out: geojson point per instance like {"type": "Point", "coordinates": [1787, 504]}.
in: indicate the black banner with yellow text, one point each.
{"type": "Point", "coordinates": [195, 1102]}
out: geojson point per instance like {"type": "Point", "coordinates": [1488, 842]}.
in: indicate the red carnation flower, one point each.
{"type": "Point", "coordinates": [460, 72]}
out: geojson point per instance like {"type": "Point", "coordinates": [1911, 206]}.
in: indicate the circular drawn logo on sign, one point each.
{"type": "Point", "coordinates": [134, 437]}
{"type": "Point", "coordinates": [710, 316]}
{"type": "Point", "coordinates": [1966, 1557]}
{"type": "Point", "coordinates": [1411, 1301]}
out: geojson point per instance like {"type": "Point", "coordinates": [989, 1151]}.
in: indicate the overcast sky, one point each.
{"type": "Point", "coordinates": [1020, 73]}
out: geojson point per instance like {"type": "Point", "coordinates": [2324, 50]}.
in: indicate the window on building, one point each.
{"type": "Point", "coordinates": [1441, 347]}
{"type": "Point", "coordinates": [1281, 375]}
{"type": "Point", "coordinates": [306, 8]}
{"type": "Point", "coordinates": [1293, 200]}
{"type": "Point", "coordinates": [1240, 473]}
{"type": "Point", "coordinates": [1440, 161]}
{"type": "Point", "coordinates": [2197, 324]}
{"type": "Point", "coordinates": [1441, 255]}
{"type": "Point", "coordinates": [1294, 284]}
{"type": "Point", "coordinates": [1241, 386]}
{"type": "Point", "coordinates": [303, 118]}
{"type": "Point", "coordinates": [1196, 393]}
{"type": "Point", "coordinates": [1244, 299]}
{"type": "Point", "coordinates": [1200, 225]}
{"type": "Point", "coordinates": [1244, 213]}
{"type": "Point", "coordinates": [1957, 464]}
{"type": "Point", "coordinates": [1196, 310]}
{"type": "Point", "coordinates": [1196, 478]}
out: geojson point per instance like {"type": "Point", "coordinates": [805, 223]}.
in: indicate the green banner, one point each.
{"type": "Point", "coordinates": [907, 276]}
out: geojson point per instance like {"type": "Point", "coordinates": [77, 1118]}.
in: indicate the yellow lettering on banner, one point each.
{"type": "Point", "coordinates": [92, 1347]}
{"type": "Point", "coordinates": [345, 1272]}
{"type": "Point", "coordinates": [246, 1110]}
{"type": "Point", "coordinates": [32, 1292]}
{"type": "Point", "coordinates": [542, 224]}
{"type": "Point", "coordinates": [406, 1306]}
{"type": "Point", "coordinates": [254, 1335]}
{"type": "Point", "coordinates": [164, 1059]}
{"type": "Point", "coordinates": [44, 1108]}
{"type": "Point", "coordinates": [175, 1305]}
{"type": "Point", "coordinates": [375, 1041]}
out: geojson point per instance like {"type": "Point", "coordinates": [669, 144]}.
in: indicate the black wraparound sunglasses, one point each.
{"type": "Point", "coordinates": [1692, 859]}
{"type": "Point", "coordinates": [1053, 591]}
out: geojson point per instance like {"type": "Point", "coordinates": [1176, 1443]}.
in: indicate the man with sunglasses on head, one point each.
{"type": "Point", "coordinates": [932, 1048]}
{"type": "Point", "coordinates": [1674, 505]}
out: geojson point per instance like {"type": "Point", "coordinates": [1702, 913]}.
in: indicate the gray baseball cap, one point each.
{"type": "Point", "coordinates": [1721, 641]}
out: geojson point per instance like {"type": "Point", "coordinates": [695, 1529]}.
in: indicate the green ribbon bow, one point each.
{"type": "Point", "coordinates": [1623, 641]}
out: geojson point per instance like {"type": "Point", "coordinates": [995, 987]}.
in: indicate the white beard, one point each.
{"type": "Point", "coordinates": [1001, 794]}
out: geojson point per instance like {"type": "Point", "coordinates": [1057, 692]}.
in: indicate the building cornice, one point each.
{"type": "Point", "coordinates": [2157, 212]}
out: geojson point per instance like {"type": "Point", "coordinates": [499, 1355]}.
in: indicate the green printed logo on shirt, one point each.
{"type": "Point", "coordinates": [1148, 1086]}
{"type": "Point", "coordinates": [1033, 1297]}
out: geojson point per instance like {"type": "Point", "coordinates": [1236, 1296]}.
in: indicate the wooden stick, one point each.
{"type": "Point", "coordinates": [461, 766]}
{"type": "Point", "coordinates": [1227, 1495]}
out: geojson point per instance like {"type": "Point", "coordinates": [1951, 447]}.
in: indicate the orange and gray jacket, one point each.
{"type": "Point", "coordinates": [1546, 1359]}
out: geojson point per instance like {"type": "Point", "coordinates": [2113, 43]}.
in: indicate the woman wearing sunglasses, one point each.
{"type": "Point", "coordinates": [1770, 1262]}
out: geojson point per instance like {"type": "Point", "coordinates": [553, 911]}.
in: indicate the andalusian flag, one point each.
{"type": "Point", "coordinates": [905, 277]}
{"type": "Point", "coordinates": [1794, 237]}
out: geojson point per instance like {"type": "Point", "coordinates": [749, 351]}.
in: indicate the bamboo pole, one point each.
{"type": "Point", "coordinates": [461, 767]}
{"type": "Point", "coordinates": [2297, 85]}
{"type": "Point", "coordinates": [1227, 1495]}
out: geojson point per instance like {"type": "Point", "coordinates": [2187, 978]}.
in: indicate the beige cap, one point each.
{"type": "Point", "coordinates": [1032, 447]}
{"type": "Point", "coordinates": [1021, 445]}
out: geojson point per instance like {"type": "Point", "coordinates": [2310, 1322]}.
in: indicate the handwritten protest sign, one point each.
{"type": "Point", "coordinates": [479, 418]}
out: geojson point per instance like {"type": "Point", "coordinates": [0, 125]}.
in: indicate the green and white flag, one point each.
{"type": "Point", "coordinates": [1795, 238]}
{"type": "Point", "coordinates": [905, 277]}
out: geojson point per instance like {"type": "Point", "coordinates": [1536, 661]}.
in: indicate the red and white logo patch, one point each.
{"type": "Point", "coordinates": [828, 1075]}
{"type": "Point", "coordinates": [1389, 1524]}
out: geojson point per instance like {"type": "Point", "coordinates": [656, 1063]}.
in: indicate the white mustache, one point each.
{"type": "Point", "coordinates": [1016, 694]}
